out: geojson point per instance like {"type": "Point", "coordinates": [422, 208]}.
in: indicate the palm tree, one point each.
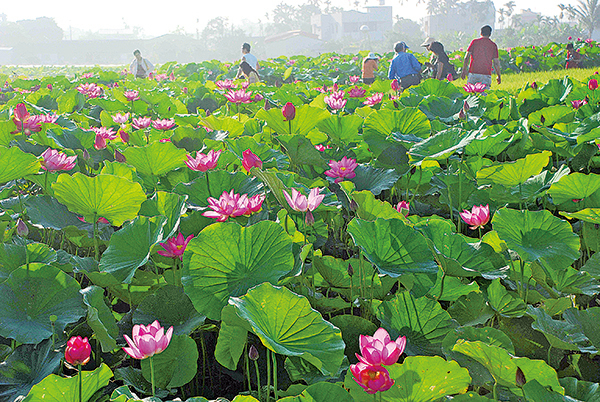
{"type": "Point", "coordinates": [587, 12]}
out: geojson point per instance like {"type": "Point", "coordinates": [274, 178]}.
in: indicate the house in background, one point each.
{"type": "Point", "coordinates": [292, 43]}
{"type": "Point", "coordinates": [467, 17]}
{"type": "Point", "coordinates": [374, 23]}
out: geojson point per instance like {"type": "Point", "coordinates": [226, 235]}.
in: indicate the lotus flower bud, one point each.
{"type": "Point", "coordinates": [593, 84]}
{"type": "Point", "coordinates": [462, 115]}
{"type": "Point", "coordinates": [86, 155]}
{"type": "Point", "coordinates": [310, 219]}
{"type": "Point", "coordinates": [119, 157]}
{"type": "Point", "coordinates": [520, 378]}
{"type": "Point", "coordinates": [253, 353]}
{"type": "Point", "coordinates": [289, 111]}
{"type": "Point", "coordinates": [395, 85]}
{"type": "Point", "coordinates": [22, 229]}
{"type": "Point", "coordinates": [542, 119]}
{"type": "Point", "coordinates": [466, 106]}
{"type": "Point", "coordinates": [124, 135]}
{"type": "Point", "coordinates": [501, 105]}
{"type": "Point", "coordinates": [267, 104]}
{"type": "Point", "coordinates": [350, 270]}
{"type": "Point", "coordinates": [78, 351]}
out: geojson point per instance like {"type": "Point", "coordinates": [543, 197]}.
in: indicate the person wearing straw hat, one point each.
{"type": "Point", "coordinates": [370, 65]}
{"type": "Point", "coordinates": [404, 67]}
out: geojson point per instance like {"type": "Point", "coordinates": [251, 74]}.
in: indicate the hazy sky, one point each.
{"type": "Point", "coordinates": [157, 18]}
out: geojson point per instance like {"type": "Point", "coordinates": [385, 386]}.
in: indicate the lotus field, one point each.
{"type": "Point", "coordinates": [189, 237]}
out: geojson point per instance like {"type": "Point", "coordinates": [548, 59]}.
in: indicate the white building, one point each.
{"type": "Point", "coordinates": [374, 23]}
{"type": "Point", "coordinates": [293, 43]}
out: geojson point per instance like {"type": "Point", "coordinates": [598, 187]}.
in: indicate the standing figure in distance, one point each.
{"type": "Point", "coordinates": [370, 64]}
{"type": "Point", "coordinates": [481, 55]}
{"type": "Point", "coordinates": [573, 57]}
{"type": "Point", "coordinates": [140, 67]}
{"type": "Point", "coordinates": [404, 67]}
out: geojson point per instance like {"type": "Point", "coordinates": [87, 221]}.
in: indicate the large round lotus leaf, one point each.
{"type": "Point", "coordinates": [581, 390]}
{"type": "Point", "coordinates": [321, 392]}
{"type": "Point", "coordinates": [418, 379]}
{"type": "Point", "coordinates": [537, 235]}
{"type": "Point", "coordinates": [510, 174]}
{"type": "Point", "coordinates": [423, 321]}
{"type": "Point", "coordinates": [114, 198]}
{"type": "Point", "coordinates": [15, 164]}
{"type": "Point", "coordinates": [352, 327]}
{"type": "Point", "coordinates": [307, 117]}
{"type": "Point", "coordinates": [218, 181]}
{"type": "Point", "coordinates": [591, 215]}
{"type": "Point", "coordinates": [440, 107]}
{"type": "Point", "coordinates": [47, 212]}
{"type": "Point", "coordinates": [25, 367]}
{"type": "Point", "coordinates": [171, 307]}
{"type": "Point", "coordinates": [58, 389]}
{"type": "Point", "coordinates": [505, 303]}
{"type": "Point", "coordinates": [226, 259]}
{"type": "Point", "coordinates": [130, 247]}
{"type": "Point", "coordinates": [503, 366]}
{"type": "Point", "coordinates": [437, 88]}
{"type": "Point", "coordinates": [29, 297]}
{"type": "Point", "coordinates": [157, 158]}
{"type": "Point", "coordinates": [342, 130]}
{"type": "Point", "coordinates": [370, 208]}
{"type": "Point", "coordinates": [176, 365]}
{"type": "Point", "coordinates": [394, 247]}
{"type": "Point", "coordinates": [585, 321]}
{"type": "Point", "coordinates": [552, 115]}
{"type": "Point", "coordinates": [286, 324]}
{"type": "Point", "coordinates": [167, 204]}
{"type": "Point", "coordinates": [574, 186]}
{"type": "Point", "coordinates": [560, 334]}
{"type": "Point", "coordinates": [12, 256]}
{"type": "Point", "coordinates": [408, 121]}
{"type": "Point", "coordinates": [374, 180]}
{"type": "Point", "coordinates": [440, 146]}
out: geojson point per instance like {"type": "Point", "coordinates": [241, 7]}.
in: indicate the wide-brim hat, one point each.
{"type": "Point", "coordinates": [372, 56]}
{"type": "Point", "coordinates": [428, 41]}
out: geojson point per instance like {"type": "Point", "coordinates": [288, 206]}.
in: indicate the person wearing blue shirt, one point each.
{"type": "Point", "coordinates": [404, 67]}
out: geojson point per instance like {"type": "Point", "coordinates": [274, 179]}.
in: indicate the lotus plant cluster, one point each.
{"type": "Point", "coordinates": [25, 122]}
{"type": "Point", "coordinates": [377, 351]}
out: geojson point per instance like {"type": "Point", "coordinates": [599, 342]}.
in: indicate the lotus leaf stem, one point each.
{"type": "Point", "coordinates": [268, 374]}
{"type": "Point", "coordinates": [274, 355]}
{"type": "Point", "coordinates": [80, 384]}
{"type": "Point", "coordinates": [152, 374]}
{"type": "Point", "coordinates": [258, 380]}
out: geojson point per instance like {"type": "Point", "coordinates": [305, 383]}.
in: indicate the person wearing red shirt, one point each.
{"type": "Point", "coordinates": [482, 55]}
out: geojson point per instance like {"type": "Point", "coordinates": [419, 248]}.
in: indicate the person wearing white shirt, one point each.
{"type": "Point", "coordinates": [140, 67]}
{"type": "Point", "coordinates": [249, 57]}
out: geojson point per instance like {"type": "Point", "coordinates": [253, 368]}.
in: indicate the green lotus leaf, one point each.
{"type": "Point", "coordinates": [16, 164]}
{"type": "Point", "coordinates": [290, 327]}
{"type": "Point", "coordinates": [503, 366]}
{"type": "Point", "coordinates": [12, 256]}
{"type": "Point", "coordinates": [442, 108]}
{"type": "Point", "coordinates": [374, 180]}
{"type": "Point", "coordinates": [307, 117]}
{"type": "Point", "coordinates": [170, 205]}
{"type": "Point", "coordinates": [157, 158]}
{"type": "Point", "coordinates": [232, 340]}
{"type": "Point", "coordinates": [437, 88]}
{"type": "Point", "coordinates": [489, 143]}
{"type": "Point", "coordinates": [218, 181]}
{"type": "Point", "coordinates": [100, 318]}
{"type": "Point", "coordinates": [321, 392]}
{"type": "Point", "coordinates": [370, 208]}
{"type": "Point", "coordinates": [352, 328]}
{"type": "Point", "coordinates": [270, 157]}
{"type": "Point", "coordinates": [552, 115]}
{"type": "Point", "coordinates": [394, 247]}
{"type": "Point", "coordinates": [505, 303]}
{"type": "Point", "coordinates": [342, 130]}
{"type": "Point", "coordinates": [591, 215]}
{"type": "Point", "coordinates": [537, 235]}
{"type": "Point", "coordinates": [171, 307]}
{"type": "Point", "coordinates": [47, 212]}
{"type": "Point", "coordinates": [111, 197]}
{"type": "Point", "coordinates": [407, 122]}
{"type": "Point", "coordinates": [26, 366]}
{"type": "Point", "coordinates": [471, 309]}
{"type": "Point", "coordinates": [584, 391]}
{"type": "Point", "coordinates": [301, 151]}
{"type": "Point", "coordinates": [560, 334]}
{"type": "Point", "coordinates": [422, 321]}
{"type": "Point", "coordinates": [574, 186]}
{"type": "Point", "coordinates": [226, 260]}
{"type": "Point", "coordinates": [58, 389]}
{"type": "Point", "coordinates": [130, 247]}
{"type": "Point", "coordinates": [510, 174]}
{"type": "Point", "coordinates": [585, 321]}
{"type": "Point", "coordinates": [25, 311]}
{"type": "Point", "coordinates": [176, 365]}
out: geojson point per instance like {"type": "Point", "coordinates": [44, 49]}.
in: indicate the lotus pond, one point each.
{"type": "Point", "coordinates": [188, 238]}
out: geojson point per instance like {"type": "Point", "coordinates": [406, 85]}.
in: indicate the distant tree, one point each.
{"type": "Point", "coordinates": [42, 29]}
{"type": "Point", "coordinates": [586, 12]}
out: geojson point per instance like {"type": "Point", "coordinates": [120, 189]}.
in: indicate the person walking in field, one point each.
{"type": "Point", "coordinates": [370, 65]}
{"type": "Point", "coordinates": [140, 67]}
{"type": "Point", "coordinates": [482, 55]}
{"type": "Point", "coordinates": [404, 67]}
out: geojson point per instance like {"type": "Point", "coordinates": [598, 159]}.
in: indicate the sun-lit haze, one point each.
{"type": "Point", "coordinates": [157, 18]}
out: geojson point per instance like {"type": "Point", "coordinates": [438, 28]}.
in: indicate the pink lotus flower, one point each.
{"type": "Point", "coordinates": [336, 100]}
{"type": "Point", "coordinates": [478, 217]}
{"type": "Point", "coordinates": [239, 96]}
{"type": "Point", "coordinates": [165, 140]}
{"type": "Point", "coordinates": [228, 205]}
{"type": "Point", "coordinates": [26, 123]}
{"type": "Point", "coordinates": [99, 142]}
{"type": "Point", "coordinates": [403, 207]}
{"type": "Point", "coordinates": [354, 79]}
{"type": "Point", "coordinates": [100, 220]}
{"type": "Point", "coordinates": [250, 160]}
{"type": "Point", "coordinates": [322, 148]}
{"type": "Point", "coordinates": [288, 111]}
{"type": "Point", "coordinates": [106, 133]}
{"type": "Point", "coordinates": [90, 90]}
{"type": "Point", "coordinates": [290, 62]}
{"type": "Point", "coordinates": [322, 89]}
{"type": "Point", "coordinates": [203, 162]}
{"type": "Point", "coordinates": [342, 169]}
{"type": "Point", "coordinates": [299, 202]}
{"type": "Point", "coordinates": [87, 75]}
{"type": "Point", "coordinates": [374, 99]}
{"type": "Point", "coordinates": [570, 38]}
{"type": "Point", "coordinates": [224, 85]}
{"type": "Point", "coordinates": [141, 123]}
{"type": "Point", "coordinates": [184, 90]}
{"type": "Point", "coordinates": [78, 351]}
{"type": "Point", "coordinates": [164, 124]}
{"type": "Point", "coordinates": [578, 103]}
{"type": "Point", "coordinates": [254, 204]}
{"type": "Point", "coordinates": [474, 88]}
{"type": "Point", "coordinates": [54, 160]}
{"type": "Point", "coordinates": [121, 118]}
{"type": "Point", "coordinates": [371, 378]}
{"type": "Point", "coordinates": [245, 85]}
{"type": "Point", "coordinates": [49, 86]}
{"type": "Point", "coordinates": [450, 77]}
{"type": "Point", "coordinates": [357, 92]}
{"type": "Point", "coordinates": [380, 349]}
{"type": "Point", "coordinates": [148, 340]}
{"type": "Point", "coordinates": [395, 85]}
{"type": "Point", "coordinates": [174, 247]}
{"type": "Point", "coordinates": [172, 76]}
{"type": "Point", "coordinates": [593, 84]}
{"type": "Point", "coordinates": [132, 95]}
{"type": "Point", "coordinates": [22, 229]}
{"type": "Point", "coordinates": [160, 77]}
{"type": "Point", "coordinates": [258, 98]}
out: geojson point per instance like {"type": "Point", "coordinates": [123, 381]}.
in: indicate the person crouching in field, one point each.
{"type": "Point", "coordinates": [481, 55]}
{"type": "Point", "coordinates": [370, 65]}
{"type": "Point", "coordinates": [248, 72]}
{"type": "Point", "coordinates": [404, 67]}
{"type": "Point", "coordinates": [574, 58]}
